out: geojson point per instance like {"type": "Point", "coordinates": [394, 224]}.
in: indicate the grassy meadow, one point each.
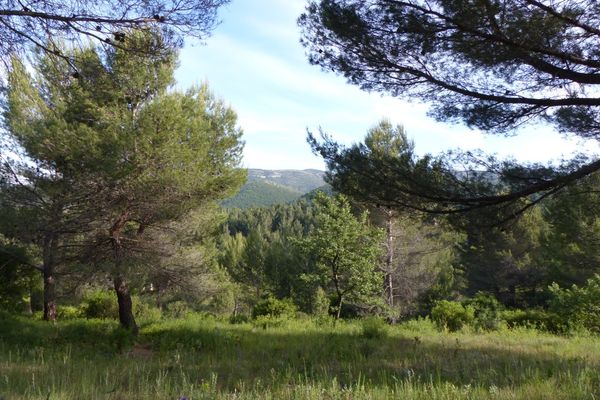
{"type": "Point", "coordinates": [207, 358]}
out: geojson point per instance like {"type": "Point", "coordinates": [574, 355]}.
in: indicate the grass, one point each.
{"type": "Point", "coordinates": [204, 358]}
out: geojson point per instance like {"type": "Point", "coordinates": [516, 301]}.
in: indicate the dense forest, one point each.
{"type": "Point", "coordinates": [324, 254]}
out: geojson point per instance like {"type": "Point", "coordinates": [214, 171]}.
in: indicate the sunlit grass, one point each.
{"type": "Point", "coordinates": [204, 358]}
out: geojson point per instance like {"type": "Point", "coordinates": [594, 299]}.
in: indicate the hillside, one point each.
{"type": "Point", "coordinates": [267, 187]}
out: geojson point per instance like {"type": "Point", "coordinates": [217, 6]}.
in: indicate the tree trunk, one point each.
{"type": "Point", "coordinates": [49, 294]}
{"type": "Point", "coordinates": [126, 317]}
{"type": "Point", "coordinates": [339, 306]}
{"type": "Point", "coordinates": [48, 256]}
{"type": "Point", "coordinates": [389, 259]}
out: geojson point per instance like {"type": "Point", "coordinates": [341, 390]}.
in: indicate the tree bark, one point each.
{"type": "Point", "coordinates": [49, 294]}
{"type": "Point", "coordinates": [389, 259]}
{"type": "Point", "coordinates": [126, 317]}
{"type": "Point", "coordinates": [339, 306]}
{"type": "Point", "coordinates": [49, 279]}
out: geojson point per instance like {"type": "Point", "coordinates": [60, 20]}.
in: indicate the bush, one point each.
{"type": "Point", "coordinates": [578, 307]}
{"type": "Point", "coordinates": [239, 319]}
{"type": "Point", "coordinates": [274, 308]}
{"type": "Point", "coordinates": [533, 318]}
{"type": "Point", "coordinates": [451, 315]}
{"type": "Point", "coordinates": [67, 312]}
{"type": "Point", "coordinates": [100, 304]}
{"type": "Point", "coordinates": [145, 312]}
{"type": "Point", "coordinates": [177, 309]}
{"type": "Point", "coordinates": [103, 304]}
{"type": "Point", "coordinates": [373, 328]}
{"type": "Point", "coordinates": [320, 303]}
{"type": "Point", "coordinates": [486, 311]}
{"type": "Point", "coordinates": [268, 321]}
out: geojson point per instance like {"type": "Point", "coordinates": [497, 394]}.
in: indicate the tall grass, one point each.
{"type": "Point", "coordinates": [205, 358]}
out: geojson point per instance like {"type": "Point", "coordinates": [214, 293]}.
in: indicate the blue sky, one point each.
{"type": "Point", "coordinates": [254, 62]}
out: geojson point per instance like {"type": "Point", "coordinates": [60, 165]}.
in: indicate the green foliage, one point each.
{"type": "Point", "coordinates": [320, 303]}
{"type": "Point", "coordinates": [452, 315]}
{"type": "Point", "coordinates": [119, 160]}
{"type": "Point", "coordinates": [346, 252]}
{"type": "Point", "coordinates": [18, 278]}
{"type": "Point", "coordinates": [578, 306]}
{"type": "Point", "coordinates": [534, 319]}
{"type": "Point", "coordinates": [486, 311]}
{"type": "Point", "coordinates": [176, 309]}
{"type": "Point", "coordinates": [99, 304]}
{"type": "Point", "coordinates": [261, 194]}
{"type": "Point", "coordinates": [145, 311]}
{"type": "Point", "coordinates": [505, 261]}
{"type": "Point", "coordinates": [102, 304]}
{"type": "Point", "coordinates": [570, 253]}
{"type": "Point", "coordinates": [274, 308]}
{"type": "Point", "coordinates": [373, 328]}
{"type": "Point", "coordinates": [68, 312]}
{"type": "Point", "coordinates": [258, 251]}
{"type": "Point", "coordinates": [239, 319]}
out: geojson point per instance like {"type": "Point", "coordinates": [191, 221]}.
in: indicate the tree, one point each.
{"type": "Point", "coordinates": [494, 65]}
{"type": "Point", "coordinates": [506, 262]}
{"type": "Point", "coordinates": [40, 23]}
{"type": "Point", "coordinates": [346, 251]}
{"type": "Point", "coordinates": [412, 244]}
{"type": "Point", "coordinates": [570, 249]}
{"type": "Point", "coordinates": [151, 155]}
{"type": "Point", "coordinates": [17, 277]}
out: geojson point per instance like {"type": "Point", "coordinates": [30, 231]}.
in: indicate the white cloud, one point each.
{"type": "Point", "coordinates": [255, 62]}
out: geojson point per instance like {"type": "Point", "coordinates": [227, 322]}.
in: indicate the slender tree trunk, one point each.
{"type": "Point", "coordinates": [49, 294]}
{"type": "Point", "coordinates": [339, 306]}
{"type": "Point", "coordinates": [126, 317]}
{"type": "Point", "coordinates": [49, 279]}
{"type": "Point", "coordinates": [389, 259]}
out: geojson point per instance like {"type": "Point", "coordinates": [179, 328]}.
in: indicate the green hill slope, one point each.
{"type": "Point", "coordinates": [260, 194]}
{"type": "Point", "coordinates": [267, 187]}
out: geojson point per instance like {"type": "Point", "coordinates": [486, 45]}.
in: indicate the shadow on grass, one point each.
{"type": "Point", "coordinates": [242, 356]}
{"type": "Point", "coordinates": [280, 357]}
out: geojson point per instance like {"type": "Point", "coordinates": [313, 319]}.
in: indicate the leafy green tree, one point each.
{"type": "Point", "coordinates": [346, 251]}
{"type": "Point", "coordinates": [150, 154]}
{"type": "Point", "coordinates": [493, 65]}
{"type": "Point", "coordinates": [18, 276]}
{"type": "Point", "coordinates": [506, 262]}
{"type": "Point", "coordinates": [258, 249]}
{"type": "Point", "coordinates": [416, 249]}
{"type": "Point", "coordinates": [570, 248]}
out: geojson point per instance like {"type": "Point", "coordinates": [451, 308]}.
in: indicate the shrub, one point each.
{"type": "Point", "coordinates": [100, 304]}
{"type": "Point", "coordinates": [239, 319]}
{"type": "Point", "coordinates": [274, 308]}
{"type": "Point", "coordinates": [268, 321]}
{"type": "Point", "coordinates": [103, 304]}
{"type": "Point", "coordinates": [533, 318]}
{"type": "Point", "coordinates": [578, 307]}
{"type": "Point", "coordinates": [373, 328]}
{"type": "Point", "coordinates": [320, 303]}
{"type": "Point", "coordinates": [67, 312]}
{"type": "Point", "coordinates": [145, 312]}
{"type": "Point", "coordinates": [451, 315]}
{"type": "Point", "coordinates": [177, 309]}
{"type": "Point", "coordinates": [486, 311]}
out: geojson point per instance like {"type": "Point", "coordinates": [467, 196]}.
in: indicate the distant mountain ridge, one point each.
{"type": "Point", "coordinates": [302, 181]}
{"type": "Point", "coordinates": [266, 187]}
